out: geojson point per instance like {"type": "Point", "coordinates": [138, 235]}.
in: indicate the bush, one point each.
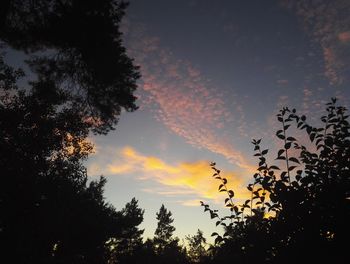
{"type": "Point", "coordinates": [300, 212]}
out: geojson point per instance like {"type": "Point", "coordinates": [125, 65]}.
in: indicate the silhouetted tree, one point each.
{"type": "Point", "coordinates": [197, 247]}
{"type": "Point", "coordinates": [77, 45]}
{"type": "Point", "coordinates": [165, 229]}
{"type": "Point", "coordinates": [166, 247]}
{"type": "Point", "coordinates": [50, 212]}
{"type": "Point", "coordinates": [127, 247]}
{"type": "Point", "coordinates": [308, 200]}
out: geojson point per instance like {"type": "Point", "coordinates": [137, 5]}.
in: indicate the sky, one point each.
{"type": "Point", "coordinates": [214, 75]}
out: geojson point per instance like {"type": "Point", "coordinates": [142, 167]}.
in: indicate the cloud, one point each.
{"type": "Point", "coordinates": [184, 100]}
{"type": "Point", "coordinates": [194, 202]}
{"type": "Point", "coordinates": [282, 82]}
{"type": "Point", "coordinates": [328, 25]}
{"type": "Point", "coordinates": [344, 36]}
{"type": "Point", "coordinates": [184, 179]}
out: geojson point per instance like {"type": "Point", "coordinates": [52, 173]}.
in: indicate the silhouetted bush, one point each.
{"type": "Point", "coordinates": [299, 213]}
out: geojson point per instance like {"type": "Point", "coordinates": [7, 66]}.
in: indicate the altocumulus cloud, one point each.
{"type": "Point", "coordinates": [328, 24]}
{"type": "Point", "coordinates": [183, 99]}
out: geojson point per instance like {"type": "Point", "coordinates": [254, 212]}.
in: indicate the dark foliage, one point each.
{"type": "Point", "coordinates": [308, 200]}
{"type": "Point", "coordinates": [50, 212]}
{"type": "Point", "coordinates": [77, 45]}
{"type": "Point", "coordinates": [165, 229]}
{"type": "Point", "coordinates": [165, 246]}
{"type": "Point", "coordinates": [127, 247]}
{"type": "Point", "coordinates": [197, 248]}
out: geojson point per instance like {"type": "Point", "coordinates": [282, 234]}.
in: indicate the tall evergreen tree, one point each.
{"type": "Point", "coordinates": [196, 247]}
{"type": "Point", "coordinates": [165, 229]}
{"type": "Point", "coordinates": [166, 247]}
{"type": "Point", "coordinates": [127, 247]}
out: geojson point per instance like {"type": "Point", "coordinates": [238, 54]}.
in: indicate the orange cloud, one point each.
{"type": "Point", "coordinates": [184, 178]}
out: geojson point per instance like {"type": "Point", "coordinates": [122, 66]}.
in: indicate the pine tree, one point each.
{"type": "Point", "coordinates": [196, 247]}
{"type": "Point", "coordinates": [164, 229]}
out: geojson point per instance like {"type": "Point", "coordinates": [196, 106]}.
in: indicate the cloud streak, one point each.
{"type": "Point", "coordinates": [184, 179]}
{"type": "Point", "coordinates": [328, 24]}
{"type": "Point", "coordinates": [184, 100]}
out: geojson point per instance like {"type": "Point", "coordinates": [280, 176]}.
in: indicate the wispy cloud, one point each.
{"type": "Point", "coordinates": [185, 179]}
{"type": "Point", "coordinates": [328, 24]}
{"type": "Point", "coordinates": [184, 100]}
{"type": "Point", "coordinates": [344, 36]}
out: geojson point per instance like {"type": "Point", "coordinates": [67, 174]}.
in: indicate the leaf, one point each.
{"type": "Point", "coordinates": [273, 167]}
{"type": "Point", "coordinates": [213, 215]}
{"type": "Point", "coordinates": [292, 168]}
{"type": "Point", "coordinates": [312, 137]}
{"type": "Point", "coordinates": [294, 160]}
{"type": "Point", "coordinates": [264, 152]}
{"type": "Point", "coordinates": [280, 152]}
{"type": "Point", "coordinates": [287, 145]}
{"type": "Point", "coordinates": [283, 174]}
{"type": "Point", "coordinates": [231, 193]}
{"type": "Point", "coordinates": [214, 234]}
{"type": "Point", "coordinates": [221, 185]}
{"type": "Point", "coordinates": [218, 239]}
{"type": "Point", "coordinates": [280, 136]}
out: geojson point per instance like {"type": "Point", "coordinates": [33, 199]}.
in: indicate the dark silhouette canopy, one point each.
{"type": "Point", "coordinates": [77, 45]}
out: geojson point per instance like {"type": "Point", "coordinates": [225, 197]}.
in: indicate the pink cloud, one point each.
{"type": "Point", "coordinates": [344, 36]}
{"type": "Point", "coordinates": [282, 82]}
{"type": "Point", "coordinates": [327, 27]}
{"type": "Point", "coordinates": [184, 100]}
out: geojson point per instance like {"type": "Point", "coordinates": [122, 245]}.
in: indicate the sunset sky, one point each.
{"type": "Point", "coordinates": [214, 75]}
